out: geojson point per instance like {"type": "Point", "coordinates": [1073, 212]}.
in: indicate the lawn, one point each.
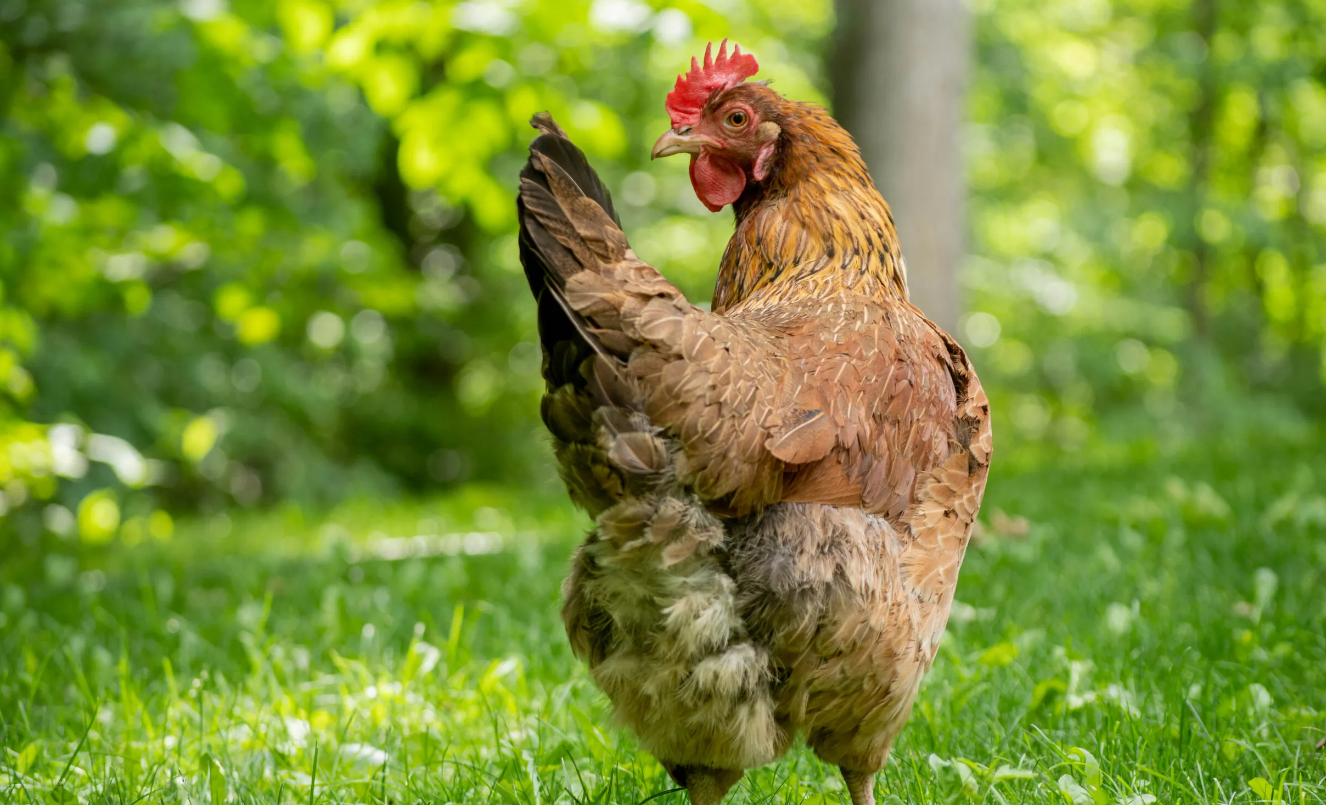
{"type": "Point", "coordinates": [1133, 626]}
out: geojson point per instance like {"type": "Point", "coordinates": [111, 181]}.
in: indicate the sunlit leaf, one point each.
{"type": "Point", "coordinates": [231, 300]}
{"type": "Point", "coordinates": [98, 516]}
{"type": "Point", "coordinates": [198, 438]}
{"type": "Point", "coordinates": [389, 81]}
{"type": "Point", "coordinates": [160, 525]}
{"type": "Point", "coordinates": [258, 325]}
{"type": "Point", "coordinates": [1261, 788]}
{"type": "Point", "coordinates": [306, 23]}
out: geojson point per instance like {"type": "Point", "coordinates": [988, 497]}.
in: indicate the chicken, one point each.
{"type": "Point", "coordinates": [782, 488]}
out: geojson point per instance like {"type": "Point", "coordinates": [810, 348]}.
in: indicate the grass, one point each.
{"type": "Point", "coordinates": [1131, 628]}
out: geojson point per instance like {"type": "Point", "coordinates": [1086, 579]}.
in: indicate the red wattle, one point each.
{"type": "Point", "coordinates": [717, 181]}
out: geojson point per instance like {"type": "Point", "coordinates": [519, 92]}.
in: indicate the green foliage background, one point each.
{"type": "Point", "coordinates": [1149, 184]}
{"type": "Point", "coordinates": [262, 253]}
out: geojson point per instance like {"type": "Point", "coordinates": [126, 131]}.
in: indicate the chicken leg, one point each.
{"type": "Point", "coordinates": [703, 785]}
{"type": "Point", "coordinates": [861, 785]}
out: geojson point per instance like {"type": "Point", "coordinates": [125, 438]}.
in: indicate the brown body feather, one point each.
{"type": "Point", "coordinates": [783, 488]}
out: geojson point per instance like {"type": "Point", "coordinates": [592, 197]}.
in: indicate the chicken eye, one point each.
{"type": "Point", "coordinates": [737, 119]}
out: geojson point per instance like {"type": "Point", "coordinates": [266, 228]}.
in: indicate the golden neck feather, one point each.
{"type": "Point", "coordinates": [816, 226]}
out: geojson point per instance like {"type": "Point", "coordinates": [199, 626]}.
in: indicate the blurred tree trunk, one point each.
{"type": "Point", "coordinates": [899, 70]}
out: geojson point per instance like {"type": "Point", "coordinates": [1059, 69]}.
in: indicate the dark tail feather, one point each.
{"type": "Point", "coordinates": [566, 337]}
{"type": "Point", "coordinates": [553, 143]}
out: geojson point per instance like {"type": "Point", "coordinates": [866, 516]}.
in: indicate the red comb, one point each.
{"type": "Point", "coordinates": [688, 98]}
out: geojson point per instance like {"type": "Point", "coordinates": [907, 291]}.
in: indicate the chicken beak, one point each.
{"type": "Point", "coordinates": [675, 142]}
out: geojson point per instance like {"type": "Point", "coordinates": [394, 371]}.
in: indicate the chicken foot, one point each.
{"type": "Point", "coordinates": [861, 785]}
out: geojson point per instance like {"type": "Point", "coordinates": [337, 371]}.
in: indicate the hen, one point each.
{"type": "Point", "coordinates": [783, 487]}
